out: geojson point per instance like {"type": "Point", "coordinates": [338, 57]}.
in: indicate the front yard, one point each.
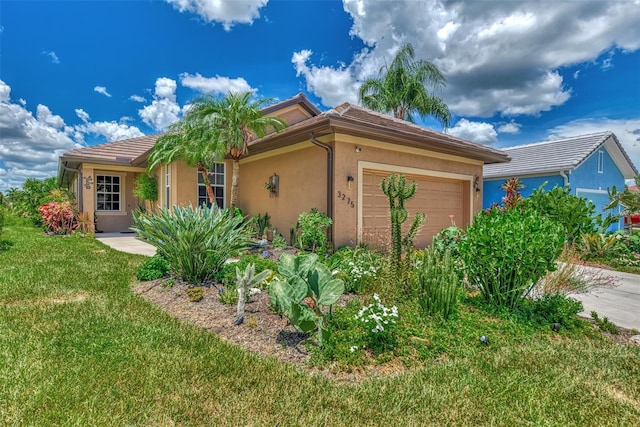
{"type": "Point", "coordinates": [78, 347]}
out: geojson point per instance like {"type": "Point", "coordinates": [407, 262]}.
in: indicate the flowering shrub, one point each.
{"type": "Point", "coordinates": [59, 217]}
{"type": "Point", "coordinates": [358, 267]}
{"type": "Point", "coordinates": [379, 322]}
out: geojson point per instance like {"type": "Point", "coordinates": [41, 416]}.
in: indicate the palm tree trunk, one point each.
{"type": "Point", "coordinates": [207, 183]}
{"type": "Point", "coordinates": [235, 181]}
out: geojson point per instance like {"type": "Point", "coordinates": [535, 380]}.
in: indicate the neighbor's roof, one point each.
{"type": "Point", "coordinates": [124, 152]}
{"type": "Point", "coordinates": [561, 155]}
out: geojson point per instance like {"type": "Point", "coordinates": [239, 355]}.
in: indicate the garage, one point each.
{"type": "Point", "coordinates": [437, 196]}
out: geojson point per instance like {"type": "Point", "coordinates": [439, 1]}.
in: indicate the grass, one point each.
{"type": "Point", "coordinates": [77, 347]}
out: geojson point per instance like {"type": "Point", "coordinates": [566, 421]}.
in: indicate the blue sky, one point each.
{"type": "Point", "coordinates": [84, 72]}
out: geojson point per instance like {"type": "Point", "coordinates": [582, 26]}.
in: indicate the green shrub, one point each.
{"type": "Point", "coordinates": [308, 286]}
{"type": "Point", "coordinates": [358, 267]}
{"type": "Point", "coordinates": [507, 252]}
{"type": "Point", "coordinates": [2, 217]}
{"type": "Point", "coordinates": [312, 233]}
{"type": "Point", "coordinates": [278, 242]}
{"type": "Point", "coordinates": [556, 308]}
{"type": "Point", "coordinates": [598, 245]}
{"type": "Point", "coordinates": [154, 268]}
{"type": "Point", "coordinates": [449, 240]}
{"type": "Point", "coordinates": [575, 214]}
{"type": "Point", "coordinates": [146, 187]}
{"type": "Point", "coordinates": [195, 241]}
{"type": "Point", "coordinates": [227, 274]}
{"type": "Point", "coordinates": [439, 284]}
{"type": "Point", "coordinates": [633, 243]}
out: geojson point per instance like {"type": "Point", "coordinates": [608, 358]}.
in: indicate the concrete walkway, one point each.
{"type": "Point", "coordinates": [126, 242]}
{"type": "Point", "coordinates": [621, 304]}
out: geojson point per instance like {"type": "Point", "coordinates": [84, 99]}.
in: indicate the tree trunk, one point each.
{"type": "Point", "coordinates": [207, 183]}
{"type": "Point", "coordinates": [235, 180]}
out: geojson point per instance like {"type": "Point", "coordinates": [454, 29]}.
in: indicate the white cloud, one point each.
{"type": "Point", "coordinates": [163, 110]}
{"type": "Point", "coordinates": [112, 131]}
{"type": "Point", "coordinates": [29, 146]}
{"type": "Point", "coordinates": [82, 115]}
{"type": "Point", "coordinates": [479, 132]}
{"type": "Point", "coordinates": [627, 131]}
{"type": "Point", "coordinates": [138, 98]}
{"type": "Point", "coordinates": [499, 57]}
{"type": "Point", "coordinates": [511, 128]}
{"type": "Point", "coordinates": [333, 85]}
{"type": "Point", "coordinates": [102, 90]}
{"type": "Point", "coordinates": [215, 85]}
{"type": "Point", "coordinates": [51, 54]}
{"type": "Point", "coordinates": [226, 12]}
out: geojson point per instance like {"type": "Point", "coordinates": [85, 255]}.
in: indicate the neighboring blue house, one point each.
{"type": "Point", "coordinates": [590, 164]}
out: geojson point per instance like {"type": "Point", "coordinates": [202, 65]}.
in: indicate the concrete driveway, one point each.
{"type": "Point", "coordinates": [621, 304]}
{"type": "Point", "coordinates": [126, 242]}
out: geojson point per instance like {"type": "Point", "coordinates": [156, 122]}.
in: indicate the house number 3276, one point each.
{"type": "Point", "coordinates": [347, 200]}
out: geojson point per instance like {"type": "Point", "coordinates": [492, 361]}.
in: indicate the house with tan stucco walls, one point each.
{"type": "Point", "coordinates": [332, 160]}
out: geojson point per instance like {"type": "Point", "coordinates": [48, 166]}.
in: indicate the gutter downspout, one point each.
{"type": "Point", "coordinates": [79, 184]}
{"type": "Point", "coordinates": [329, 150]}
{"type": "Point", "coordinates": [565, 177]}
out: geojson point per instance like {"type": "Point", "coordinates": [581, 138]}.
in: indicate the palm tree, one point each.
{"type": "Point", "coordinates": [401, 89]}
{"type": "Point", "coordinates": [231, 123]}
{"type": "Point", "coordinates": [212, 129]}
{"type": "Point", "coordinates": [187, 142]}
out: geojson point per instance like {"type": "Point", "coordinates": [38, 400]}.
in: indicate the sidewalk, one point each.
{"type": "Point", "coordinates": [126, 242]}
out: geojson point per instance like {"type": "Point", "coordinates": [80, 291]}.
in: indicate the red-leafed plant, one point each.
{"type": "Point", "coordinates": [59, 217]}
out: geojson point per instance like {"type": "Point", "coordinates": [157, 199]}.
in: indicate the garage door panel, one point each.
{"type": "Point", "coordinates": [438, 198]}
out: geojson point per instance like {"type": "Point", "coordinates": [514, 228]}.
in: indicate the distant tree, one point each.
{"type": "Point", "coordinates": [628, 199]}
{"type": "Point", "coordinates": [401, 89]}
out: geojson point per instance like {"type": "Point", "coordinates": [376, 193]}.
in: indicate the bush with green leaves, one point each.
{"type": "Point", "coordinates": [357, 267]}
{"type": "Point", "coordinates": [507, 252]}
{"type": "Point", "coordinates": [575, 214]}
{"type": "Point", "coordinates": [439, 284]}
{"type": "Point", "coordinates": [598, 245]}
{"type": "Point", "coordinates": [312, 231]}
{"type": "Point", "coordinates": [449, 240]}
{"type": "Point", "coordinates": [195, 241]}
{"type": "Point", "coordinates": [227, 274]}
{"type": "Point", "coordinates": [556, 308]}
{"type": "Point", "coordinates": [308, 288]}
{"type": "Point", "coordinates": [154, 268]}
{"type": "Point", "coordinates": [146, 187]}
{"type": "Point", "coordinates": [278, 241]}
{"type": "Point", "coordinates": [633, 243]}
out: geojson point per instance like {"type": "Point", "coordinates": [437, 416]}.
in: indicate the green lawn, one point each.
{"type": "Point", "coordinates": [78, 348]}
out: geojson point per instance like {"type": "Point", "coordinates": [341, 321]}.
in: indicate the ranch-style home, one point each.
{"type": "Point", "coordinates": [332, 161]}
{"type": "Point", "coordinates": [589, 164]}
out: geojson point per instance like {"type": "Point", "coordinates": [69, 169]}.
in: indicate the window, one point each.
{"type": "Point", "coordinates": [107, 193]}
{"type": "Point", "coordinates": [167, 186]}
{"type": "Point", "coordinates": [600, 161]}
{"type": "Point", "coordinates": [216, 176]}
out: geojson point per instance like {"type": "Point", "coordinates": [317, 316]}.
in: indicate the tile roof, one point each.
{"type": "Point", "coordinates": [125, 151]}
{"type": "Point", "coordinates": [551, 156]}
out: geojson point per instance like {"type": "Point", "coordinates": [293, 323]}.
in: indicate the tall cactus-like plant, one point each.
{"type": "Point", "coordinates": [397, 190]}
{"type": "Point", "coordinates": [245, 280]}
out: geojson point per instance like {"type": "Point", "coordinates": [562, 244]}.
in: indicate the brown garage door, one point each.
{"type": "Point", "coordinates": [436, 197]}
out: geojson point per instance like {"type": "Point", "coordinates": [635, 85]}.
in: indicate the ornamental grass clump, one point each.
{"type": "Point", "coordinates": [195, 241]}
{"type": "Point", "coordinates": [508, 251]}
{"type": "Point", "coordinates": [439, 283]}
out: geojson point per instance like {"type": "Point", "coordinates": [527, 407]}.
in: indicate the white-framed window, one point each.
{"type": "Point", "coordinates": [217, 178]}
{"type": "Point", "coordinates": [108, 193]}
{"type": "Point", "coordinates": [600, 161]}
{"type": "Point", "coordinates": [167, 186]}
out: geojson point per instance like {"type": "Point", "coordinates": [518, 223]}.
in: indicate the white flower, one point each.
{"type": "Point", "coordinates": [353, 349]}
